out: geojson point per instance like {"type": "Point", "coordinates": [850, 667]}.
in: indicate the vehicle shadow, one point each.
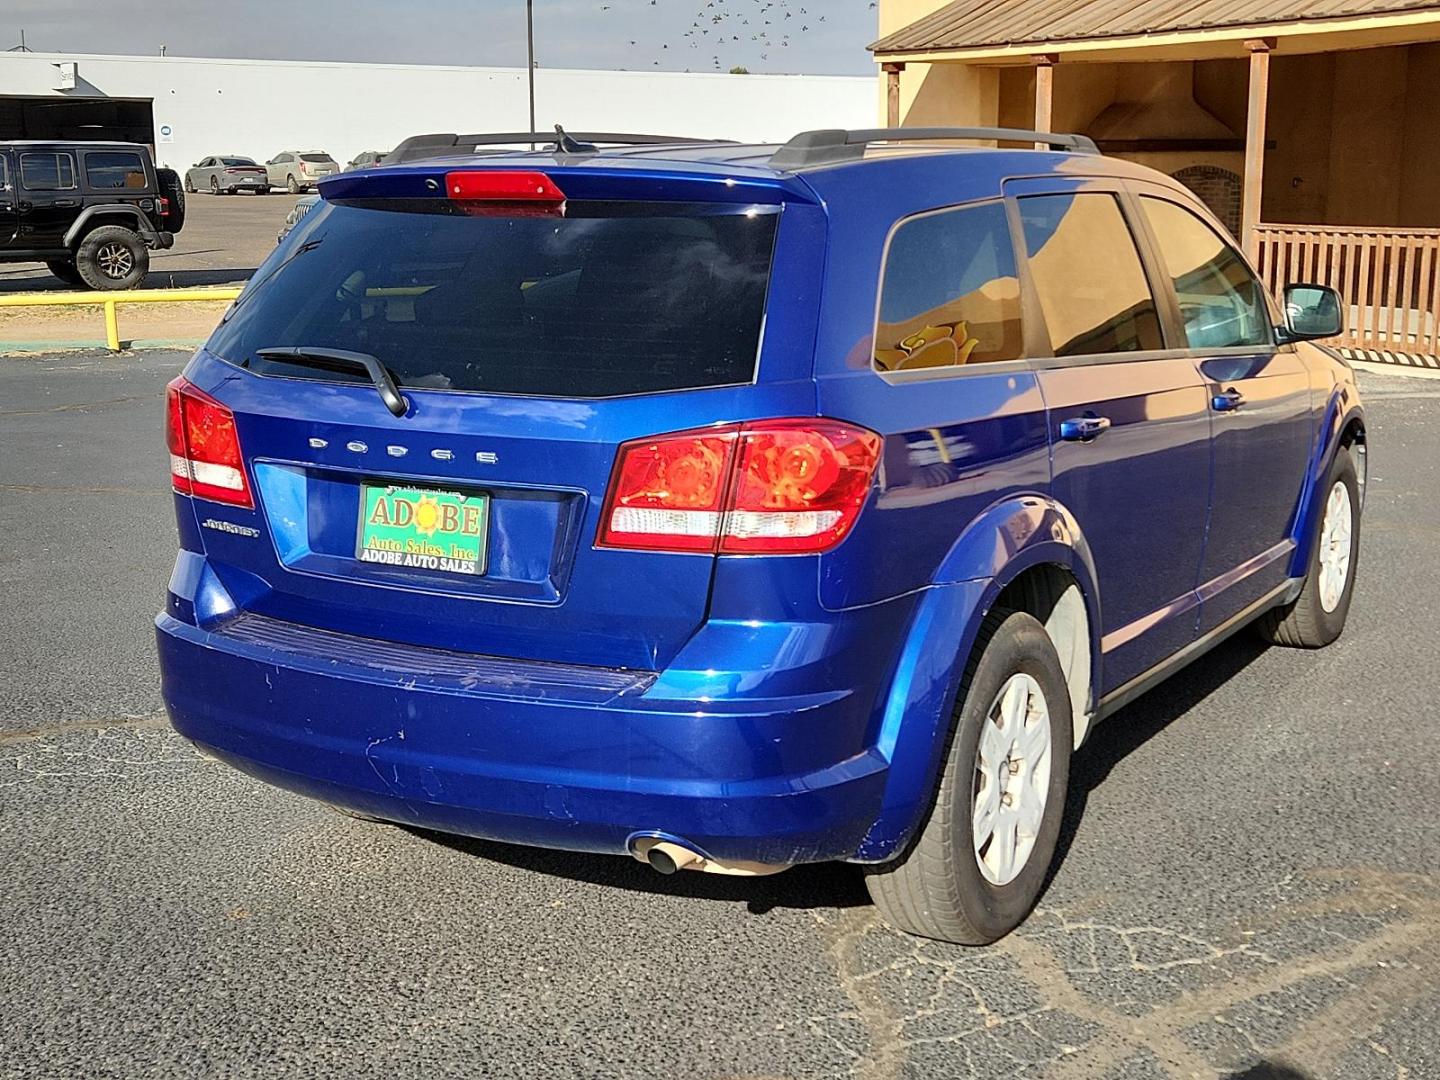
{"type": "Point", "coordinates": [826, 885]}
{"type": "Point", "coordinates": [841, 885]}
{"type": "Point", "coordinates": [1269, 1070]}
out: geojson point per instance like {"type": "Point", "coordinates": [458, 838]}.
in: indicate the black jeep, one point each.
{"type": "Point", "coordinates": [90, 211]}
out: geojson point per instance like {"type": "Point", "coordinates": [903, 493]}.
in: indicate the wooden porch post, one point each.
{"type": "Point", "coordinates": [1255, 140]}
{"type": "Point", "coordinates": [892, 87]}
{"type": "Point", "coordinates": [1045, 91]}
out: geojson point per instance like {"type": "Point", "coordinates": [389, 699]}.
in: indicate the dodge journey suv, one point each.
{"type": "Point", "coordinates": [736, 507]}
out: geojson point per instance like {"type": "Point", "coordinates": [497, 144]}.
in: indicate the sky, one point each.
{"type": "Point", "coordinates": [809, 36]}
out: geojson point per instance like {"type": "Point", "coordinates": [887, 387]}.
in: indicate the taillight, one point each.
{"type": "Point", "coordinates": [773, 487]}
{"type": "Point", "coordinates": [205, 458]}
{"type": "Point", "coordinates": [164, 204]}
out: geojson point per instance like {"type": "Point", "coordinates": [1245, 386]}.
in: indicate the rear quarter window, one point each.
{"type": "Point", "coordinates": [107, 171]}
{"type": "Point", "coordinates": [607, 301]}
{"type": "Point", "coordinates": [950, 293]}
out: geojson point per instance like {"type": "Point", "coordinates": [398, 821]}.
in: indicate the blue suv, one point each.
{"type": "Point", "coordinates": [735, 507]}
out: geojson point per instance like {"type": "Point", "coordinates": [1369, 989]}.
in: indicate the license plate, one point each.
{"type": "Point", "coordinates": [423, 528]}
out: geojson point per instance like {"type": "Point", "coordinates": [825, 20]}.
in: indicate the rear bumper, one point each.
{"type": "Point", "coordinates": [524, 753]}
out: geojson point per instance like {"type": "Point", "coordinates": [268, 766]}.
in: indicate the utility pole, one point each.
{"type": "Point", "coordinates": [530, 66]}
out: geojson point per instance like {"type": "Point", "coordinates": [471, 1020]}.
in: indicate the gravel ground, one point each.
{"type": "Point", "coordinates": [1252, 889]}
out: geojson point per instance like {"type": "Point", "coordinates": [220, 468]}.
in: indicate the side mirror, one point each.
{"type": "Point", "coordinates": [1312, 312]}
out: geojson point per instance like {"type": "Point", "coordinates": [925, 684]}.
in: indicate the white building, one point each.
{"type": "Point", "coordinates": [188, 108]}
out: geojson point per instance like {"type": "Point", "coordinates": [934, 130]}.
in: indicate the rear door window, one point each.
{"type": "Point", "coordinates": [951, 294]}
{"type": "Point", "coordinates": [1221, 303]}
{"type": "Point", "coordinates": [608, 300]}
{"type": "Point", "coordinates": [47, 172]}
{"type": "Point", "coordinates": [114, 170]}
{"type": "Point", "coordinates": [1087, 271]}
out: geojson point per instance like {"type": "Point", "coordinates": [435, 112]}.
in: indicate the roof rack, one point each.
{"type": "Point", "coordinates": [419, 147]}
{"type": "Point", "coordinates": [835, 145]}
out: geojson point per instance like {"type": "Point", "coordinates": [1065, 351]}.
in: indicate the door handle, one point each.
{"type": "Point", "coordinates": [1084, 428]}
{"type": "Point", "coordinates": [26, 205]}
{"type": "Point", "coordinates": [1228, 401]}
{"type": "Point", "coordinates": [67, 202]}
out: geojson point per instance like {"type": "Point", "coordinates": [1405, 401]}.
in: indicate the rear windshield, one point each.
{"type": "Point", "coordinates": [316, 157]}
{"type": "Point", "coordinates": [609, 300]}
{"type": "Point", "coordinates": [238, 161]}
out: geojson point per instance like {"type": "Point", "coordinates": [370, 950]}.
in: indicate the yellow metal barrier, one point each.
{"type": "Point", "coordinates": [109, 301]}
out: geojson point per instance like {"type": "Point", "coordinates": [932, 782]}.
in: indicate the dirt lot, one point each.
{"type": "Point", "coordinates": [225, 238]}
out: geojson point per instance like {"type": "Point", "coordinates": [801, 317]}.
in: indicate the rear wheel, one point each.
{"type": "Point", "coordinates": [214, 185]}
{"type": "Point", "coordinates": [980, 861]}
{"type": "Point", "coordinates": [65, 271]}
{"type": "Point", "coordinates": [291, 186]}
{"type": "Point", "coordinates": [112, 257]}
{"type": "Point", "coordinates": [1317, 616]}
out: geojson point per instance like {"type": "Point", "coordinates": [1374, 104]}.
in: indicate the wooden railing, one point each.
{"type": "Point", "coordinates": [1390, 279]}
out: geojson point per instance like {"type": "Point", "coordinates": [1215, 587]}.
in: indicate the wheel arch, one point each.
{"type": "Point", "coordinates": [1027, 552]}
{"type": "Point", "coordinates": [93, 217]}
{"type": "Point", "coordinates": [1342, 427]}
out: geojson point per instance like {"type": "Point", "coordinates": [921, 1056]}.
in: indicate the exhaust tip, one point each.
{"type": "Point", "coordinates": [666, 858]}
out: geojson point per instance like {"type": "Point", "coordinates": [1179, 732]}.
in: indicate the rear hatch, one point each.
{"type": "Point", "coordinates": [528, 342]}
{"type": "Point", "coordinates": [317, 165]}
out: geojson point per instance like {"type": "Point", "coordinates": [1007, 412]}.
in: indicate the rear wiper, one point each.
{"type": "Point", "coordinates": [345, 362]}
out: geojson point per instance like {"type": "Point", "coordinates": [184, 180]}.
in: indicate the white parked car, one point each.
{"type": "Point", "coordinates": [300, 170]}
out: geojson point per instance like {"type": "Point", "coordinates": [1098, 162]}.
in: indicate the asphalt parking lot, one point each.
{"type": "Point", "coordinates": [1252, 889]}
{"type": "Point", "coordinates": [224, 239]}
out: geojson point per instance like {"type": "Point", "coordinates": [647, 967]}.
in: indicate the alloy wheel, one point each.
{"type": "Point", "coordinates": [1012, 779]}
{"type": "Point", "coordinates": [1335, 541]}
{"type": "Point", "coordinates": [115, 260]}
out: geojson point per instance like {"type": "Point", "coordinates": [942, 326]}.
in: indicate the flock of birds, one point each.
{"type": "Point", "coordinates": [731, 29]}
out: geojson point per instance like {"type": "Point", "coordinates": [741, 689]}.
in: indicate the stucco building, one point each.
{"type": "Point", "coordinates": [1311, 127]}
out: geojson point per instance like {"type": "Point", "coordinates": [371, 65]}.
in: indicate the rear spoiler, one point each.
{"type": "Point", "coordinates": [422, 147]}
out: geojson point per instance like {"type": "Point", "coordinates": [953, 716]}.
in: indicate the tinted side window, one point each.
{"type": "Point", "coordinates": [951, 294]}
{"type": "Point", "coordinates": [47, 172]}
{"type": "Point", "coordinates": [1221, 303]}
{"type": "Point", "coordinates": [115, 170]}
{"type": "Point", "coordinates": [1092, 285]}
{"type": "Point", "coordinates": [4, 172]}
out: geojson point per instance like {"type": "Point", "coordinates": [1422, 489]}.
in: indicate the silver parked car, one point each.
{"type": "Point", "coordinates": [365, 159]}
{"type": "Point", "coordinates": [227, 174]}
{"type": "Point", "coordinates": [298, 170]}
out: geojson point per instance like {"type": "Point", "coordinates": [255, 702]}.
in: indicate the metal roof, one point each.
{"type": "Point", "coordinates": [969, 24]}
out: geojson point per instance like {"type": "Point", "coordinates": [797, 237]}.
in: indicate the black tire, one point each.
{"type": "Point", "coordinates": [65, 271]}
{"type": "Point", "coordinates": [188, 185]}
{"type": "Point", "coordinates": [292, 187]}
{"type": "Point", "coordinates": [937, 889]}
{"type": "Point", "coordinates": [112, 257]}
{"type": "Point", "coordinates": [214, 185]}
{"type": "Point", "coordinates": [173, 191]}
{"type": "Point", "coordinates": [1306, 623]}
